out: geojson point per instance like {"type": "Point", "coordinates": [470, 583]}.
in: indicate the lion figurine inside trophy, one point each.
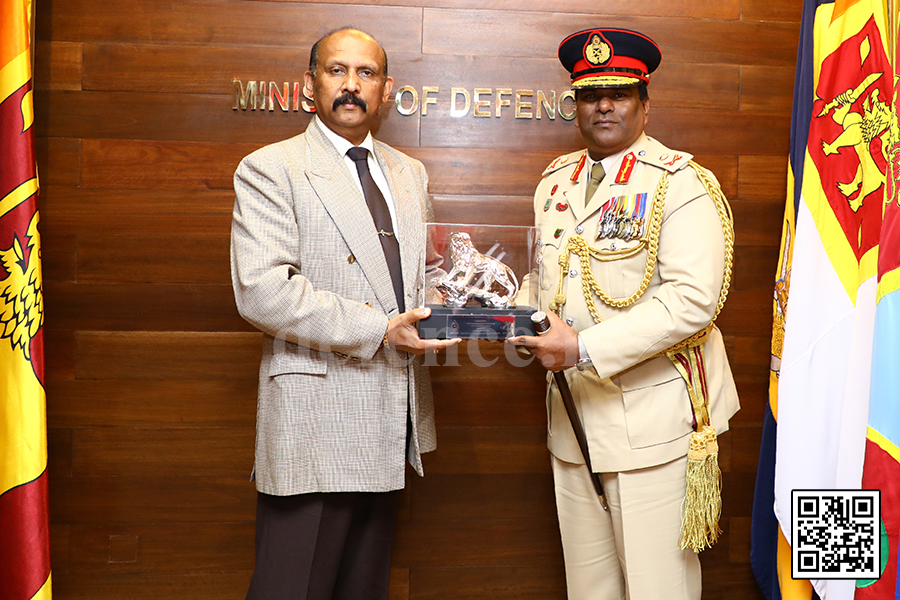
{"type": "Point", "coordinates": [479, 295]}
{"type": "Point", "coordinates": [476, 276]}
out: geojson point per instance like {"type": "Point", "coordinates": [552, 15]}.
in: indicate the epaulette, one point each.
{"type": "Point", "coordinates": [659, 156]}
{"type": "Point", "coordinates": [564, 161]}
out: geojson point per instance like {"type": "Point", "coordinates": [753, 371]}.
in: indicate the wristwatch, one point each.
{"type": "Point", "coordinates": [584, 360]}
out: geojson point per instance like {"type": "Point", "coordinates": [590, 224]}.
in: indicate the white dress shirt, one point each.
{"type": "Point", "coordinates": [343, 145]}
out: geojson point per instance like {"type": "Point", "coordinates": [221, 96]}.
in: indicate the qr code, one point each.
{"type": "Point", "coordinates": [835, 534]}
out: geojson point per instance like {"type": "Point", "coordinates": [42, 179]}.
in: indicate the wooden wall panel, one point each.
{"type": "Point", "coordinates": [153, 499]}
{"type": "Point", "coordinates": [59, 161]}
{"type": "Point", "coordinates": [726, 9]}
{"type": "Point", "coordinates": [195, 117]}
{"type": "Point", "coordinates": [209, 70]}
{"type": "Point", "coordinates": [449, 31]}
{"type": "Point", "coordinates": [766, 88]}
{"type": "Point", "coordinates": [215, 22]}
{"type": "Point", "coordinates": [187, 69]}
{"type": "Point", "coordinates": [164, 165]}
{"type": "Point", "coordinates": [215, 585]}
{"type": "Point", "coordinates": [151, 374]}
{"type": "Point", "coordinates": [152, 212]}
{"type": "Point", "coordinates": [165, 403]}
{"type": "Point", "coordinates": [478, 543]}
{"type": "Point", "coordinates": [122, 452]}
{"type": "Point", "coordinates": [482, 496]}
{"type": "Point", "coordinates": [143, 307]}
{"type": "Point", "coordinates": [772, 10]}
{"type": "Point", "coordinates": [59, 67]}
{"type": "Point", "coordinates": [135, 115]}
{"type": "Point", "coordinates": [170, 355]}
{"type": "Point", "coordinates": [130, 258]}
{"type": "Point", "coordinates": [161, 548]}
{"type": "Point", "coordinates": [532, 583]}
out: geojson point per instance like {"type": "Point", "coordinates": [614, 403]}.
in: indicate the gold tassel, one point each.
{"type": "Point", "coordinates": [703, 492]}
{"type": "Point", "coordinates": [713, 478]}
{"type": "Point", "coordinates": [693, 530]}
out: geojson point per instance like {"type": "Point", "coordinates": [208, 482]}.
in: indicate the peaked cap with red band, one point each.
{"type": "Point", "coordinates": [609, 58]}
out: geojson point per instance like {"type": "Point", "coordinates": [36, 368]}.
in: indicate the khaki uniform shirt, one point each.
{"type": "Point", "coordinates": [635, 408]}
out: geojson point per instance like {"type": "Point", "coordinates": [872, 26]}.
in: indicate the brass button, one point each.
{"type": "Point", "coordinates": [369, 304]}
{"type": "Point", "coordinates": [351, 259]}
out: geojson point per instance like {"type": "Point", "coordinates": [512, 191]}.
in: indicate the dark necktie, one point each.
{"type": "Point", "coordinates": [382, 218]}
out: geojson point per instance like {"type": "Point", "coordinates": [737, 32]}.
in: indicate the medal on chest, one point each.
{"type": "Point", "coordinates": [623, 217]}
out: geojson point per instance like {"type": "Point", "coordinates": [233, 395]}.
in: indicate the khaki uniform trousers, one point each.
{"type": "Point", "coordinates": [631, 551]}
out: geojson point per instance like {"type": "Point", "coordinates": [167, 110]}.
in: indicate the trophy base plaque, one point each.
{"type": "Point", "coordinates": [476, 323]}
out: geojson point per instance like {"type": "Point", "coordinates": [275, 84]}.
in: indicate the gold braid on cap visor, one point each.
{"type": "Point", "coordinates": [607, 81]}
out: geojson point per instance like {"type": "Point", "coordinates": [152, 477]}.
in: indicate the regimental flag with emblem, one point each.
{"type": "Point", "coordinates": [824, 304]}
{"type": "Point", "coordinates": [24, 523]}
{"type": "Point", "coordinates": [881, 469]}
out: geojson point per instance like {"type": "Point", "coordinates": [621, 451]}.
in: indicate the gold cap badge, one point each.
{"type": "Point", "coordinates": [598, 51]}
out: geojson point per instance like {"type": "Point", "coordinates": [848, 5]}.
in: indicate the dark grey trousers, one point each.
{"type": "Point", "coordinates": [323, 546]}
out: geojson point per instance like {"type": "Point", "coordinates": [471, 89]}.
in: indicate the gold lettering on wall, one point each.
{"type": "Point", "coordinates": [455, 111]}
{"type": "Point", "coordinates": [283, 96]}
{"type": "Point", "coordinates": [245, 97]}
{"type": "Point", "coordinates": [480, 102]}
{"type": "Point", "coordinates": [407, 89]}
{"type": "Point", "coordinates": [426, 99]}
{"type": "Point", "coordinates": [500, 101]}
{"type": "Point", "coordinates": [565, 114]}
{"type": "Point", "coordinates": [523, 109]}
{"type": "Point", "coordinates": [548, 104]}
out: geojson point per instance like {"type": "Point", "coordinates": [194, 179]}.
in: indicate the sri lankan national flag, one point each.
{"type": "Point", "coordinates": [24, 524]}
{"type": "Point", "coordinates": [882, 463]}
{"type": "Point", "coordinates": [825, 296]}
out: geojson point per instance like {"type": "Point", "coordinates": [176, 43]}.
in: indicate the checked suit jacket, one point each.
{"type": "Point", "coordinates": [309, 272]}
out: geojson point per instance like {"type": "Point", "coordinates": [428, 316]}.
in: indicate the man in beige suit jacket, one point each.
{"type": "Point", "coordinates": [617, 316]}
{"type": "Point", "coordinates": [342, 406]}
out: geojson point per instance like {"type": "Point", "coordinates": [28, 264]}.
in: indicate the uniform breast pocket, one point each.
{"type": "Point", "coordinates": [624, 275]}
{"type": "Point", "coordinates": [550, 249]}
{"type": "Point", "coordinates": [549, 267]}
{"type": "Point", "coordinates": [657, 405]}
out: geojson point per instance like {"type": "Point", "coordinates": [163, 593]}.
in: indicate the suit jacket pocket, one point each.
{"type": "Point", "coordinates": [297, 359]}
{"type": "Point", "coordinates": [657, 405]}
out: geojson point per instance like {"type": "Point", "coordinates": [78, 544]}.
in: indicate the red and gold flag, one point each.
{"type": "Point", "coordinates": [825, 295]}
{"type": "Point", "coordinates": [24, 522]}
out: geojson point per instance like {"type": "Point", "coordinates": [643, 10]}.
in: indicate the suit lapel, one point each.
{"type": "Point", "coordinates": [346, 206]}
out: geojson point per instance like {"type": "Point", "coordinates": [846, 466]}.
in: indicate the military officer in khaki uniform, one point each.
{"type": "Point", "coordinates": [637, 245]}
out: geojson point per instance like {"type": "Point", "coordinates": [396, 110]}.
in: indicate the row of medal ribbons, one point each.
{"type": "Point", "coordinates": [622, 217]}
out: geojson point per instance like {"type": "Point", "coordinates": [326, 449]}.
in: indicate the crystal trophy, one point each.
{"type": "Point", "coordinates": [481, 281]}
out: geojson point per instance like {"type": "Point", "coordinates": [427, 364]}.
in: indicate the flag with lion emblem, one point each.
{"type": "Point", "coordinates": [881, 469]}
{"type": "Point", "coordinates": [24, 523]}
{"type": "Point", "coordinates": [843, 127]}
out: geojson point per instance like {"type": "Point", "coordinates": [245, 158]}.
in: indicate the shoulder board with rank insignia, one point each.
{"type": "Point", "coordinates": [659, 156]}
{"type": "Point", "coordinates": [563, 161]}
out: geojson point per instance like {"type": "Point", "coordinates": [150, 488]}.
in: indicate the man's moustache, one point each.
{"type": "Point", "coordinates": [349, 98]}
